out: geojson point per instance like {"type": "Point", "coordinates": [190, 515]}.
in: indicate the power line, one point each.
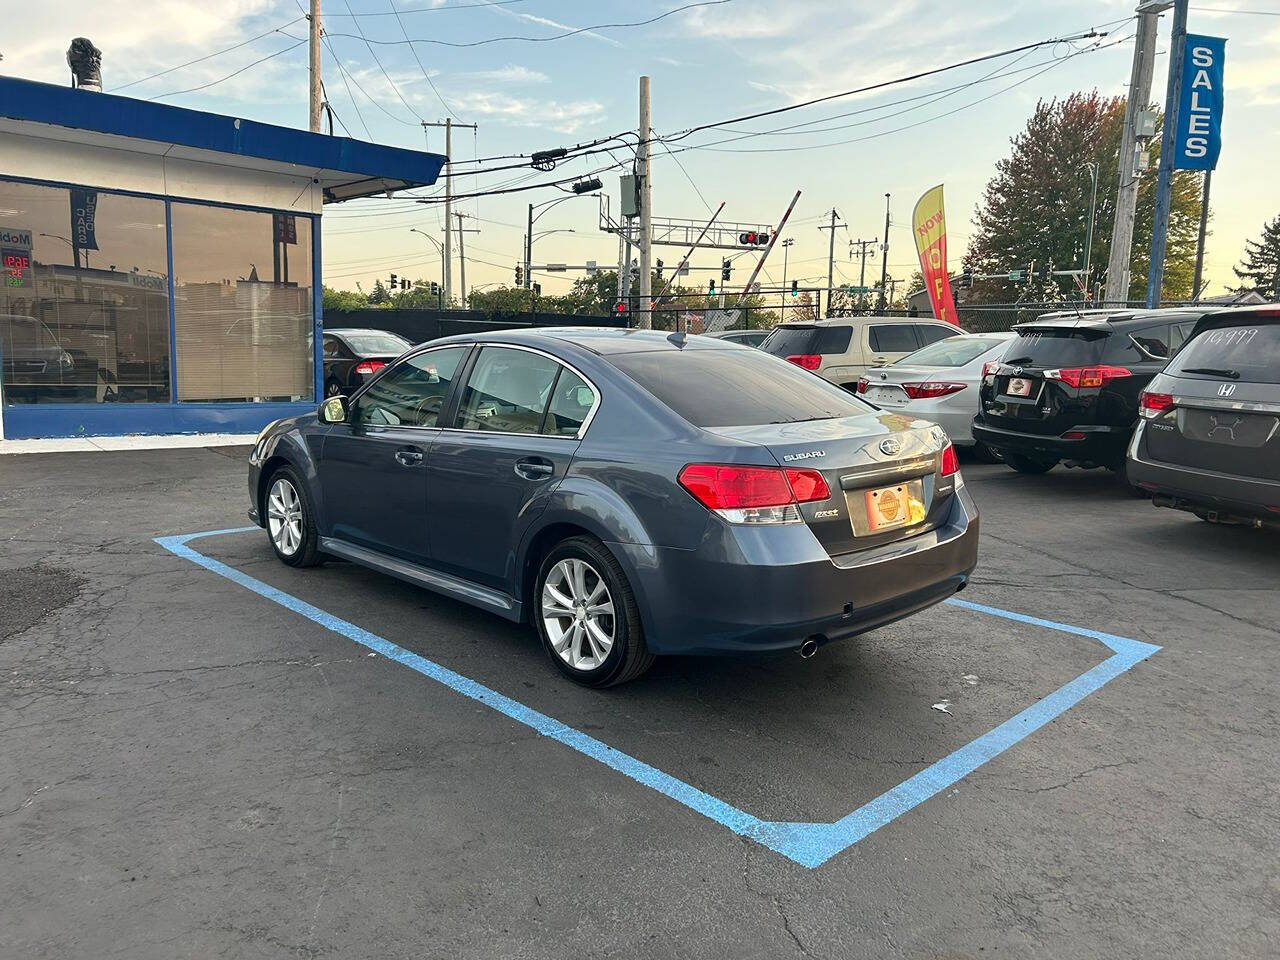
{"type": "Point", "coordinates": [236, 73]}
{"type": "Point", "coordinates": [425, 76]}
{"type": "Point", "coordinates": [558, 36]}
{"type": "Point", "coordinates": [439, 9]}
{"type": "Point", "coordinates": [373, 53]}
{"type": "Point", "coordinates": [207, 56]}
{"type": "Point", "coordinates": [1253, 13]}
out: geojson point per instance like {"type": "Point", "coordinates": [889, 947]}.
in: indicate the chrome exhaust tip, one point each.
{"type": "Point", "coordinates": [808, 648]}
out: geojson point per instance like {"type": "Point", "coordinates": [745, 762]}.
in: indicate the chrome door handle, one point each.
{"type": "Point", "coordinates": [535, 468]}
{"type": "Point", "coordinates": [408, 458]}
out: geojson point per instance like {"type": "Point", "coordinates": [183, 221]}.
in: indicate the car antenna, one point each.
{"type": "Point", "coordinates": [680, 338]}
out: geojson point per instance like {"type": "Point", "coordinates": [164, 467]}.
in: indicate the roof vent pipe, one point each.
{"type": "Point", "coordinates": [85, 61]}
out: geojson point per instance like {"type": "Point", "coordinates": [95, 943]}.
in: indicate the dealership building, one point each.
{"type": "Point", "coordinates": [161, 266]}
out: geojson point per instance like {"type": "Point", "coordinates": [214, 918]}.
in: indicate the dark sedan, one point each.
{"type": "Point", "coordinates": [630, 493]}
{"type": "Point", "coordinates": [1209, 440]}
{"type": "Point", "coordinates": [352, 357]}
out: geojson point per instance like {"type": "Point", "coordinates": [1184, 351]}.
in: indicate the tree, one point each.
{"type": "Point", "coordinates": [341, 300]}
{"type": "Point", "coordinates": [1261, 267]}
{"type": "Point", "coordinates": [380, 297]}
{"type": "Point", "coordinates": [1036, 207]}
{"type": "Point", "coordinates": [417, 297]}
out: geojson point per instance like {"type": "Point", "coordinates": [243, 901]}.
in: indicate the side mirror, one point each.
{"type": "Point", "coordinates": [333, 410]}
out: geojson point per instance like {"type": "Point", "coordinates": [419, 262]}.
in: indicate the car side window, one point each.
{"type": "Point", "coordinates": [508, 391]}
{"type": "Point", "coordinates": [1178, 334]}
{"type": "Point", "coordinates": [892, 338]}
{"type": "Point", "coordinates": [571, 403]}
{"type": "Point", "coordinates": [933, 332]}
{"type": "Point", "coordinates": [413, 392]}
{"type": "Point", "coordinates": [1155, 341]}
{"type": "Point", "coordinates": [331, 348]}
{"type": "Point", "coordinates": [834, 339]}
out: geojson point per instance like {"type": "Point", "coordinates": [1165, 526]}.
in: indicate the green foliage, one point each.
{"type": "Point", "coordinates": [340, 300]}
{"type": "Point", "coordinates": [1036, 207]}
{"type": "Point", "coordinates": [418, 297]}
{"type": "Point", "coordinates": [1260, 269]}
{"type": "Point", "coordinates": [380, 297]}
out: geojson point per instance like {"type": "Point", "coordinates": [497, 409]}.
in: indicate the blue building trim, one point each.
{"type": "Point", "coordinates": [145, 120]}
{"type": "Point", "coordinates": [31, 421]}
{"type": "Point", "coordinates": [173, 311]}
{"type": "Point", "coordinates": [317, 310]}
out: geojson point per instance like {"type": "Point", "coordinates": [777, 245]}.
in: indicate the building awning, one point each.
{"type": "Point", "coordinates": [344, 168]}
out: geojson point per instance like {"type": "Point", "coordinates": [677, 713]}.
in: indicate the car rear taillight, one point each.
{"type": "Point", "coordinates": [1088, 376]}
{"type": "Point", "coordinates": [990, 368]}
{"type": "Point", "coordinates": [369, 367]}
{"type": "Point", "coordinates": [1151, 405]}
{"type": "Point", "coordinates": [1074, 435]}
{"type": "Point", "coordinates": [862, 384]}
{"type": "Point", "coordinates": [753, 494]}
{"type": "Point", "coordinates": [931, 388]}
{"type": "Point", "coordinates": [950, 462]}
{"type": "Point", "coordinates": [810, 361]}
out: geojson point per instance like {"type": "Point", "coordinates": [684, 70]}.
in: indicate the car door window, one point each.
{"type": "Point", "coordinates": [571, 403]}
{"type": "Point", "coordinates": [413, 392]}
{"type": "Point", "coordinates": [507, 391]}
{"type": "Point", "coordinates": [933, 332]}
{"type": "Point", "coordinates": [1178, 334]}
{"type": "Point", "coordinates": [892, 338]}
{"type": "Point", "coordinates": [833, 340]}
{"type": "Point", "coordinates": [1155, 341]}
{"type": "Point", "coordinates": [331, 350]}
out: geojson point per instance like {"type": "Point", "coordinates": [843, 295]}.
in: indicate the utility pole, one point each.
{"type": "Point", "coordinates": [1088, 240]}
{"type": "Point", "coordinates": [864, 250]}
{"type": "Point", "coordinates": [884, 253]}
{"type": "Point", "coordinates": [448, 199]}
{"type": "Point", "coordinates": [831, 257]}
{"type": "Point", "coordinates": [786, 247]}
{"type": "Point", "coordinates": [528, 250]}
{"type": "Point", "coordinates": [314, 113]}
{"type": "Point", "coordinates": [462, 258]}
{"type": "Point", "coordinates": [646, 207]}
{"type": "Point", "coordinates": [1139, 96]}
{"type": "Point", "coordinates": [1164, 184]}
{"type": "Point", "coordinates": [1204, 223]}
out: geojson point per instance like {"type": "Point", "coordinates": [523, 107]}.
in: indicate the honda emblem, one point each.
{"type": "Point", "coordinates": [1226, 389]}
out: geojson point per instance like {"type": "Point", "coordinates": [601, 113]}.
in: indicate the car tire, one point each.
{"type": "Point", "coordinates": [1024, 464]}
{"type": "Point", "coordinates": [290, 520]}
{"type": "Point", "coordinates": [577, 576]}
{"type": "Point", "coordinates": [986, 453]}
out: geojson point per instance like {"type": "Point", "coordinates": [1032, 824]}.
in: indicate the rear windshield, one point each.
{"type": "Point", "coordinates": [951, 352]}
{"type": "Point", "coordinates": [736, 388]}
{"type": "Point", "coordinates": [366, 344]}
{"type": "Point", "coordinates": [1251, 354]}
{"type": "Point", "coordinates": [1056, 347]}
{"type": "Point", "coordinates": [790, 341]}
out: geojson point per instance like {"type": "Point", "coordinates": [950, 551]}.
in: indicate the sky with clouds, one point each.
{"type": "Point", "coordinates": [707, 63]}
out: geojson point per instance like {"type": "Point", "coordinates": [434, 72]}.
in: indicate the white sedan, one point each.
{"type": "Point", "coordinates": [939, 382]}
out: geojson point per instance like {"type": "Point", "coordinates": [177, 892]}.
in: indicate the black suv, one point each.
{"type": "Point", "coordinates": [1209, 440]}
{"type": "Point", "coordinates": [1067, 389]}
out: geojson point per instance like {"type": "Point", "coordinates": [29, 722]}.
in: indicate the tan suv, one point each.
{"type": "Point", "coordinates": [842, 349]}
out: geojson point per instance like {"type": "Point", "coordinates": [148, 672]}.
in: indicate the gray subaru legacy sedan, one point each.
{"type": "Point", "coordinates": [630, 493]}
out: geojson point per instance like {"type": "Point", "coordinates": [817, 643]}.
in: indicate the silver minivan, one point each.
{"type": "Point", "coordinates": [843, 348]}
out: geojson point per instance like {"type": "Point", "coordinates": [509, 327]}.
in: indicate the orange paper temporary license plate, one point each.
{"type": "Point", "coordinates": [895, 506]}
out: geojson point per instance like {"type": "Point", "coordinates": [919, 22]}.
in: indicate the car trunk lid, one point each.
{"type": "Point", "coordinates": [1024, 392]}
{"type": "Point", "coordinates": [882, 471]}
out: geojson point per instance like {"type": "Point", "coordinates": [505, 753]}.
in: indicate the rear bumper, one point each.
{"type": "Point", "coordinates": [745, 590]}
{"type": "Point", "coordinates": [1104, 445]}
{"type": "Point", "coordinates": [1188, 488]}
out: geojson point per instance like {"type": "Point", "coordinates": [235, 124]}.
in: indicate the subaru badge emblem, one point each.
{"type": "Point", "coordinates": [890, 446]}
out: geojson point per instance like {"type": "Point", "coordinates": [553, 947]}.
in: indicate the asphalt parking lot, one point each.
{"type": "Point", "coordinates": [194, 769]}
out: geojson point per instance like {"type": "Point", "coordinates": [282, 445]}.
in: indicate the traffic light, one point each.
{"type": "Point", "coordinates": [659, 269]}
{"type": "Point", "coordinates": [537, 289]}
{"type": "Point", "coordinates": [404, 283]}
{"type": "Point", "coordinates": [753, 238]}
{"type": "Point", "coordinates": [435, 289]}
{"type": "Point", "coordinates": [726, 270]}
{"type": "Point", "coordinates": [393, 281]}
{"type": "Point", "coordinates": [519, 275]}
{"type": "Point", "coordinates": [712, 291]}
{"type": "Point", "coordinates": [795, 288]}
{"type": "Point", "coordinates": [620, 307]}
{"type": "Point", "coordinates": [966, 280]}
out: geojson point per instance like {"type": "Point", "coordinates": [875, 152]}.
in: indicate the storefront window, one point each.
{"type": "Point", "coordinates": [243, 304]}
{"type": "Point", "coordinates": [84, 306]}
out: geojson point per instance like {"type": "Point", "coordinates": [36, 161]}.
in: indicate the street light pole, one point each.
{"type": "Point", "coordinates": [884, 252]}
{"type": "Point", "coordinates": [1088, 243]}
{"type": "Point", "coordinates": [1164, 184]}
{"type": "Point", "coordinates": [438, 247]}
{"type": "Point", "coordinates": [786, 249]}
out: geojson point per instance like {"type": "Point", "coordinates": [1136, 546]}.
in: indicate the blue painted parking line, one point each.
{"type": "Point", "coordinates": [808, 844]}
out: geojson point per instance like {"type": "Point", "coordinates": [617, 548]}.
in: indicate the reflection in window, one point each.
{"type": "Point", "coordinates": [571, 402]}
{"type": "Point", "coordinates": [84, 306]}
{"type": "Point", "coordinates": [243, 304]}
{"type": "Point", "coordinates": [507, 391]}
{"type": "Point", "coordinates": [412, 393]}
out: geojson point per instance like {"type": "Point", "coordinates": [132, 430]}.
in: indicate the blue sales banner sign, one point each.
{"type": "Point", "coordinates": [1199, 134]}
{"type": "Point", "coordinates": [84, 214]}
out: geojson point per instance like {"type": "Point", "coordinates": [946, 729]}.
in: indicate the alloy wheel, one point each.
{"type": "Point", "coordinates": [284, 517]}
{"type": "Point", "coordinates": [577, 612]}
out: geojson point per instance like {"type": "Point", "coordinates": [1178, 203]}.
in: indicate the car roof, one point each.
{"type": "Point", "coordinates": [1269, 312]}
{"type": "Point", "coordinates": [849, 321]}
{"type": "Point", "coordinates": [1103, 320]}
{"type": "Point", "coordinates": [348, 331]}
{"type": "Point", "coordinates": [599, 340]}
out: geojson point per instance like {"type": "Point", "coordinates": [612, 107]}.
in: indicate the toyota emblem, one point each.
{"type": "Point", "coordinates": [890, 446]}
